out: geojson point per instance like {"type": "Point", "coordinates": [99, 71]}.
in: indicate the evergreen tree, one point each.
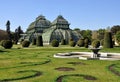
{"type": "Point", "coordinates": [108, 40]}
{"type": "Point", "coordinates": [8, 30]}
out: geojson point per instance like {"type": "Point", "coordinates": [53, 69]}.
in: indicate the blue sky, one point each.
{"type": "Point", "coordinates": [83, 14]}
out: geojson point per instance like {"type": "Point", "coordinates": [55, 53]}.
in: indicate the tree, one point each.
{"type": "Point", "coordinates": [77, 30]}
{"type": "Point", "coordinates": [108, 40]}
{"type": "Point", "coordinates": [101, 33]}
{"type": "Point", "coordinates": [8, 30]}
{"type": "Point", "coordinates": [86, 33]}
{"type": "Point", "coordinates": [17, 36]}
{"type": "Point", "coordinates": [115, 29]}
{"type": "Point", "coordinates": [118, 37]}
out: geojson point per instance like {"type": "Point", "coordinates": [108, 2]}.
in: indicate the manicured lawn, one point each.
{"type": "Point", "coordinates": [37, 64]}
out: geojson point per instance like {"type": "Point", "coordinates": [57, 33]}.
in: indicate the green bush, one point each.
{"type": "Point", "coordinates": [39, 41]}
{"type": "Point", "coordinates": [33, 41]}
{"type": "Point", "coordinates": [118, 37]}
{"type": "Point", "coordinates": [86, 45]}
{"type": "Point", "coordinates": [25, 43]}
{"type": "Point", "coordinates": [63, 42]}
{"type": "Point", "coordinates": [96, 43]}
{"type": "Point", "coordinates": [72, 43]}
{"type": "Point", "coordinates": [7, 44]}
{"type": "Point", "coordinates": [80, 42]}
{"type": "Point", "coordinates": [55, 43]}
{"type": "Point", "coordinates": [108, 40]}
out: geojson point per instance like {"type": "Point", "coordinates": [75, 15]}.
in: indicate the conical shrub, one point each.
{"type": "Point", "coordinates": [108, 40]}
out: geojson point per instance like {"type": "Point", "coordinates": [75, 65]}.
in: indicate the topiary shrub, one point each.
{"type": "Point", "coordinates": [55, 43]}
{"type": "Point", "coordinates": [108, 40]}
{"type": "Point", "coordinates": [39, 41]}
{"type": "Point", "coordinates": [63, 42]}
{"type": "Point", "coordinates": [33, 41]}
{"type": "Point", "coordinates": [117, 36]}
{"type": "Point", "coordinates": [7, 44]}
{"type": "Point", "coordinates": [80, 42]}
{"type": "Point", "coordinates": [25, 43]}
{"type": "Point", "coordinates": [86, 45]}
{"type": "Point", "coordinates": [96, 43]}
{"type": "Point", "coordinates": [72, 43]}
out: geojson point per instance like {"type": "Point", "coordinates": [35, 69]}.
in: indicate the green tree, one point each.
{"type": "Point", "coordinates": [108, 40]}
{"type": "Point", "coordinates": [117, 36]}
{"type": "Point", "coordinates": [101, 33]}
{"type": "Point", "coordinates": [8, 30]}
{"type": "Point", "coordinates": [86, 33]}
{"type": "Point", "coordinates": [115, 29]}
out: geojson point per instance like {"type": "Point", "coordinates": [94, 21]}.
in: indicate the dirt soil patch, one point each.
{"type": "Point", "coordinates": [64, 69]}
{"type": "Point", "coordinates": [86, 77]}
{"type": "Point", "coordinates": [77, 63]}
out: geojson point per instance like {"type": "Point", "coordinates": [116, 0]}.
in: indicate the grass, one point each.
{"type": "Point", "coordinates": [21, 64]}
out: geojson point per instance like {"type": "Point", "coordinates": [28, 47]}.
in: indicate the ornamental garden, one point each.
{"type": "Point", "coordinates": [29, 56]}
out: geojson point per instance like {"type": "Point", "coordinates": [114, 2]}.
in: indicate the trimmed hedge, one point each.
{"type": "Point", "coordinates": [7, 44]}
{"type": "Point", "coordinates": [96, 43]}
{"type": "Point", "coordinates": [72, 43]}
{"type": "Point", "coordinates": [108, 40]}
{"type": "Point", "coordinates": [80, 42]}
{"type": "Point", "coordinates": [25, 44]}
{"type": "Point", "coordinates": [55, 43]}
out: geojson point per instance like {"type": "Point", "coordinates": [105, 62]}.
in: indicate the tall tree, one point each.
{"type": "Point", "coordinates": [17, 36]}
{"type": "Point", "coordinates": [8, 30]}
{"type": "Point", "coordinates": [115, 29]}
{"type": "Point", "coordinates": [101, 33]}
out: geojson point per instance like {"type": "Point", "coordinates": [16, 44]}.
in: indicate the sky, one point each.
{"type": "Point", "coordinates": [82, 14]}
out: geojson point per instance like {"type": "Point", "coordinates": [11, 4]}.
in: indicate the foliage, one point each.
{"type": "Point", "coordinates": [25, 43]}
{"type": "Point", "coordinates": [86, 45]}
{"type": "Point", "coordinates": [86, 33]}
{"type": "Point", "coordinates": [63, 42]}
{"type": "Point", "coordinates": [118, 37]}
{"type": "Point", "coordinates": [39, 41]}
{"type": "Point", "coordinates": [8, 30]}
{"type": "Point", "coordinates": [108, 40]}
{"type": "Point", "coordinates": [80, 42]}
{"type": "Point", "coordinates": [96, 43]}
{"type": "Point", "coordinates": [17, 33]}
{"type": "Point", "coordinates": [55, 43]}
{"type": "Point", "coordinates": [7, 44]}
{"type": "Point", "coordinates": [115, 29]}
{"type": "Point", "coordinates": [72, 43]}
{"type": "Point", "coordinates": [101, 33]}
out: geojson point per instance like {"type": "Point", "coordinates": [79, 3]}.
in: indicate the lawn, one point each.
{"type": "Point", "coordinates": [37, 64]}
